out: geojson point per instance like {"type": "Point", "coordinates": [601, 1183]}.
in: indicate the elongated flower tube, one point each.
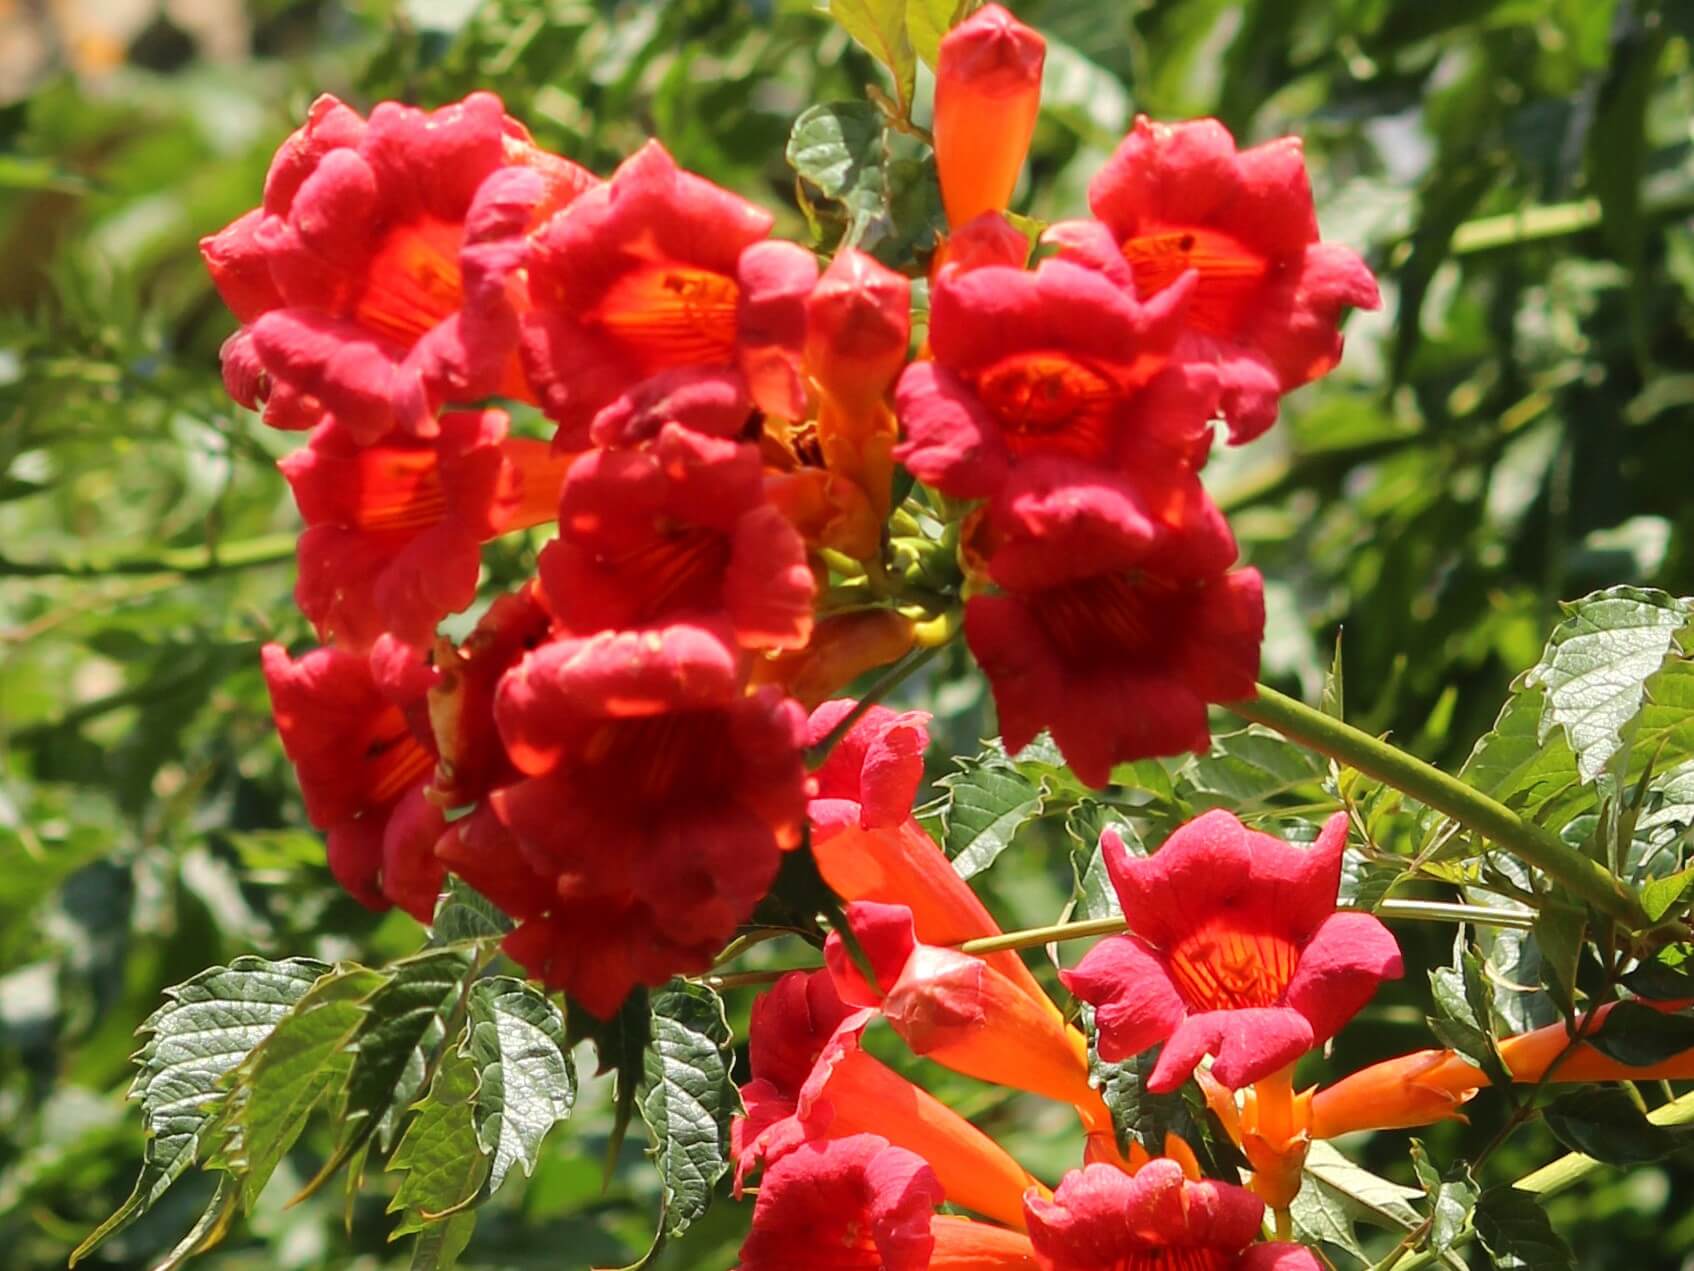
{"type": "Point", "coordinates": [1103, 1219]}
{"type": "Point", "coordinates": [811, 1080]}
{"type": "Point", "coordinates": [1182, 203]}
{"type": "Point", "coordinates": [868, 846]}
{"type": "Point", "coordinates": [961, 1012]}
{"type": "Point", "coordinates": [987, 95]}
{"type": "Point", "coordinates": [861, 1204]}
{"type": "Point", "coordinates": [394, 530]}
{"type": "Point", "coordinates": [1234, 949]}
{"type": "Point", "coordinates": [1431, 1085]}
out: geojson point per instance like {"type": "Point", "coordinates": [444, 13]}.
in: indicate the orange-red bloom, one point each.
{"type": "Point", "coordinates": [657, 801]}
{"type": "Point", "coordinates": [362, 752]}
{"type": "Point", "coordinates": [394, 530]}
{"type": "Point", "coordinates": [987, 93]}
{"type": "Point", "coordinates": [842, 647]}
{"type": "Point", "coordinates": [679, 528]}
{"type": "Point", "coordinates": [1235, 949]}
{"type": "Point", "coordinates": [812, 1080]}
{"type": "Point", "coordinates": [372, 279]}
{"type": "Point", "coordinates": [1181, 202]}
{"type": "Point", "coordinates": [661, 272]}
{"type": "Point", "coordinates": [1103, 1219]}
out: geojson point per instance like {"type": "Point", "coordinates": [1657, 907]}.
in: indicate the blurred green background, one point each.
{"type": "Point", "coordinates": [1512, 429]}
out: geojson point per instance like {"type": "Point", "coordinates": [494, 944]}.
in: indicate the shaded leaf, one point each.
{"type": "Point", "coordinates": [443, 1163]}
{"type": "Point", "coordinates": [880, 27]}
{"type": "Point", "coordinates": [1253, 766]}
{"type": "Point", "coordinates": [1641, 1036]}
{"type": "Point", "coordinates": [1514, 1229]}
{"type": "Point", "coordinates": [986, 803]}
{"type": "Point", "coordinates": [1603, 1122]}
{"type": "Point", "coordinates": [688, 1099]}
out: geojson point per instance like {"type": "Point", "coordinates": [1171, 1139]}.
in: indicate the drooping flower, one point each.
{"type": "Point", "coordinates": [394, 530]}
{"type": "Point", "coordinates": [1268, 296]}
{"type": "Point", "coordinates": [658, 797]}
{"type": "Point", "coordinates": [960, 1011]}
{"type": "Point", "coordinates": [1118, 664]}
{"type": "Point", "coordinates": [661, 271]}
{"type": "Point", "coordinates": [860, 1204]}
{"type": "Point", "coordinates": [1043, 363]}
{"type": "Point", "coordinates": [362, 760]}
{"type": "Point", "coordinates": [372, 281]}
{"type": "Point", "coordinates": [679, 528]}
{"type": "Point", "coordinates": [1103, 1219]}
{"type": "Point", "coordinates": [811, 1079]}
{"type": "Point", "coordinates": [868, 845]}
{"type": "Point", "coordinates": [987, 94]}
{"type": "Point", "coordinates": [1235, 949]}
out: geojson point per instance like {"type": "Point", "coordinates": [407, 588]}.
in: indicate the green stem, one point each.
{"type": "Point", "coordinates": [895, 676]}
{"type": "Point", "coordinates": [1574, 1167]}
{"type": "Point", "coordinates": [209, 559]}
{"type": "Point", "coordinates": [1531, 843]}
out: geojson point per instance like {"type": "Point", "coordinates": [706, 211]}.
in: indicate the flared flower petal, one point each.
{"type": "Point", "coordinates": [1227, 918]}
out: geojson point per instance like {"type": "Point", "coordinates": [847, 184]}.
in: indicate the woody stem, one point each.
{"type": "Point", "coordinates": [1533, 844]}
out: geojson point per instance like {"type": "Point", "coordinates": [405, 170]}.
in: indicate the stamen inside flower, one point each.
{"type": "Point", "coordinates": [1222, 967]}
{"type": "Point", "coordinates": [1049, 402]}
{"type": "Point", "coordinates": [1108, 616]}
{"type": "Point", "coordinates": [394, 758]}
{"type": "Point", "coordinates": [672, 315]}
{"type": "Point", "coordinates": [398, 490]}
{"type": "Point", "coordinates": [1230, 273]}
{"type": "Point", "coordinates": [414, 281]}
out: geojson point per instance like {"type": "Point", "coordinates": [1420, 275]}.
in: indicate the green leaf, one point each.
{"type": "Point", "coordinates": [207, 1026]}
{"type": "Point", "coordinates": [1138, 1115]}
{"type": "Point", "coordinates": [927, 21]}
{"type": "Point", "coordinates": [839, 148]}
{"type": "Point", "coordinates": [1466, 1018]}
{"type": "Point", "coordinates": [1083, 96]}
{"type": "Point", "coordinates": [1251, 767]}
{"type": "Point", "coordinates": [1596, 667]}
{"type": "Point", "coordinates": [528, 1083]}
{"type": "Point", "coordinates": [1668, 974]}
{"type": "Point", "coordinates": [286, 1075]}
{"type": "Point", "coordinates": [1641, 1036]}
{"type": "Point", "coordinates": [1658, 895]}
{"type": "Point", "coordinates": [401, 1018]}
{"type": "Point", "coordinates": [987, 802]}
{"type": "Point", "coordinates": [1336, 1194]}
{"type": "Point", "coordinates": [688, 1099]}
{"type": "Point", "coordinates": [1452, 1197]}
{"type": "Point", "coordinates": [444, 1164]}
{"type": "Point", "coordinates": [465, 915]}
{"type": "Point", "coordinates": [210, 1228]}
{"type": "Point", "coordinates": [1559, 933]}
{"type": "Point", "coordinates": [879, 26]}
{"type": "Point", "coordinates": [1514, 1229]}
{"type": "Point", "coordinates": [439, 1245]}
{"type": "Point", "coordinates": [620, 1046]}
{"type": "Point", "coordinates": [1093, 893]}
{"type": "Point", "coordinates": [1603, 1122]}
{"type": "Point", "coordinates": [1515, 764]}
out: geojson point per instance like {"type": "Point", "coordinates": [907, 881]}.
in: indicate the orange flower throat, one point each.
{"type": "Point", "coordinates": [1050, 403]}
{"type": "Point", "coordinates": [1230, 273]}
{"type": "Point", "coordinates": [413, 282]}
{"type": "Point", "coordinates": [1221, 967]}
{"type": "Point", "coordinates": [671, 315]}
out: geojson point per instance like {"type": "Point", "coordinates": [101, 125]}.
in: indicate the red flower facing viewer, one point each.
{"type": "Point", "coordinates": [679, 528]}
{"type": "Point", "coordinates": [1042, 363]}
{"type": "Point", "coordinates": [1268, 297]}
{"type": "Point", "coordinates": [372, 279]}
{"type": "Point", "coordinates": [812, 1079]}
{"type": "Point", "coordinates": [1157, 1219]}
{"type": "Point", "coordinates": [858, 1204]}
{"type": "Point", "coordinates": [659, 797]}
{"type": "Point", "coordinates": [1235, 949]}
{"type": "Point", "coordinates": [661, 271]}
{"type": "Point", "coordinates": [362, 761]}
{"type": "Point", "coordinates": [394, 530]}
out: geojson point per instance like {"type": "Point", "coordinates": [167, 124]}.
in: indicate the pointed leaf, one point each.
{"type": "Point", "coordinates": [880, 27]}
{"type": "Point", "coordinates": [1514, 1229]}
{"type": "Point", "coordinates": [388, 1058]}
{"type": "Point", "coordinates": [528, 1083]}
{"type": "Point", "coordinates": [444, 1164]}
{"type": "Point", "coordinates": [1254, 766]}
{"type": "Point", "coordinates": [987, 802]}
{"type": "Point", "coordinates": [687, 1099]}
{"type": "Point", "coordinates": [1603, 1122]}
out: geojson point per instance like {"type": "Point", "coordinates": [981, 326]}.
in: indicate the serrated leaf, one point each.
{"type": "Point", "coordinates": [1597, 665]}
{"type": "Point", "coordinates": [1093, 894]}
{"type": "Point", "coordinates": [839, 148]}
{"type": "Point", "coordinates": [987, 802]}
{"type": "Point", "coordinates": [400, 1016]}
{"type": "Point", "coordinates": [443, 1163]}
{"type": "Point", "coordinates": [879, 26]}
{"type": "Point", "coordinates": [1603, 1122]}
{"type": "Point", "coordinates": [206, 1028]}
{"type": "Point", "coordinates": [286, 1075]}
{"type": "Point", "coordinates": [620, 1047]}
{"type": "Point", "coordinates": [1336, 1193]}
{"type": "Point", "coordinates": [1658, 895]}
{"type": "Point", "coordinates": [1466, 1016]}
{"type": "Point", "coordinates": [1515, 1231]}
{"type": "Point", "coordinates": [1452, 1197]}
{"type": "Point", "coordinates": [1641, 1036]}
{"type": "Point", "coordinates": [1513, 763]}
{"type": "Point", "coordinates": [1138, 1115]}
{"type": "Point", "coordinates": [528, 1083]}
{"type": "Point", "coordinates": [465, 915]}
{"type": "Point", "coordinates": [1251, 767]}
{"type": "Point", "coordinates": [210, 1228]}
{"type": "Point", "coordinates": [688, 1099]}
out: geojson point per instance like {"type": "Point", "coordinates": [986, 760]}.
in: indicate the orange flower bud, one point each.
{"type": "Point", "coordinates": [841, 649]}
{"type": "Point", "coordinates": [987, 93]}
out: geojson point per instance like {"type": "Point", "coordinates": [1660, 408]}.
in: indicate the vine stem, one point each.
{"type": "Point", "coordinates": [1530, 843]}
{"type": "Point", "coordinates": [891, 680]}
{"type": "Point", "coordinates": [1571, 1169]}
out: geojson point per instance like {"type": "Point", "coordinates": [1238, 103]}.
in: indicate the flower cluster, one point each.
{"type": "Point", "coordinates": [614, 754]}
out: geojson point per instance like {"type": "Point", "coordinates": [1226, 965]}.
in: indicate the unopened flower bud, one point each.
{"type": "Point", "coordinates": [987, 92]}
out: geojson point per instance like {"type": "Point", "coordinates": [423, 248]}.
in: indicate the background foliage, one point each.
{"type": "Point", "coordinates": [1510, 431]}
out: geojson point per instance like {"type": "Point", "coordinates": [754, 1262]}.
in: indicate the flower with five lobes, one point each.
{"type": "Point", "coordinates": [1182, 203]}
{"type": "Point", "coordinates": [1234, 949]}
{"type": "Point", "coordinates": [659, 271]}
{"type": "Point", "coordinates": [371, 283]}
